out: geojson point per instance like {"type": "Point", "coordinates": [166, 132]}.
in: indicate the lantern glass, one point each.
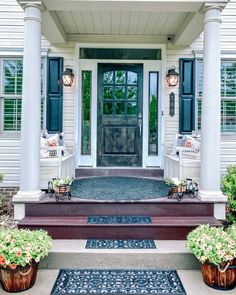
{"type": "Point", "coordinates": [172, 78]}
{"type": "Point", "coordinates": [68, 77]}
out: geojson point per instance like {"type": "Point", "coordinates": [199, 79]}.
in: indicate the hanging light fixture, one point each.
{"type": "Point", "coordinates": [172, 77]}
{"type": "Point", "coordinates": [68, 77]}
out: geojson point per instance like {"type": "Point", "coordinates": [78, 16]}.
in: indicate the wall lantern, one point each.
{"type": "Point", "coordinates": [68, 77]}
{"type": "Point", "coordinates": [172, 77]}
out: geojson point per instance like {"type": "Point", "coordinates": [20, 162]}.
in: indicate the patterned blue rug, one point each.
{"type": "Point", "coordinates": [119, 219]}
{"type": "Point", "coordinates": [118, 188]}
{"type": "Point", "coordinates": [120, 244]}
{"type": "Point", "coordinates": [117, 281]}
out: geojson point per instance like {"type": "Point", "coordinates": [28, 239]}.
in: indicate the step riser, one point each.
{"type": "Point", "coordinates": [185, 261]}
{"type": "Point", "coordinates": [117, 232]}
{"type": "Point", "coordinates": [151, 209]}
{"type": "Point", "coordinates": [83, 172]}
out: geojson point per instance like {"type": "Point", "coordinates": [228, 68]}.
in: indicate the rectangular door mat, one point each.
{"type": "Point", "coordinates": [119, 219]}
{"type": "Point", "coordinates": [120, 244]}
{"type": "Point", "coordinates": [118, 281]}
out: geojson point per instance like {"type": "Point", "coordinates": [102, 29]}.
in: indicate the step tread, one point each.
{"type": "Point", "coordinates": [187, 221]}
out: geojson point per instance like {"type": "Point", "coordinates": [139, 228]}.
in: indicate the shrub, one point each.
{"type": "Point", "coordinates": [228, 183]}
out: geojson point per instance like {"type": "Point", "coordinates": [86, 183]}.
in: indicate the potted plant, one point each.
{"type": "Point", "coordinates": [215, 248]}
{"type": "Point", "coordinates": [20, 252]}
{"type": "Point", "coordinates": [62, 185]}
{"type": "Point", "coordinates": [176, 185]}
{"type": "Point", "coordinates": [228, 186]}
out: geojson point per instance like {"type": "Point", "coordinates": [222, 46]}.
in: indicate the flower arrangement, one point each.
{"type": "Point", "coordinates": [174, 181]}
{"type": "Point", "coordinates": [213, 244]}
{"type": "Point", "coordinates": [20, 247]}
{"type": "Point", "coordinates": [62, 181]}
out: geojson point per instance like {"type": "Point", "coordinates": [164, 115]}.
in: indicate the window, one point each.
{"type": "Point", "coordinates": [86, 112]}
{"type": "Point", "coordinates": [11, 94]}
{"type": "Point", "coordinates": [153, 113]}
{"type": "Point", "coordinates": [228, 96]}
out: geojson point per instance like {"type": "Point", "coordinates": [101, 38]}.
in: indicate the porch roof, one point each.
{"type": "Point", "coordinates": [120, 21]}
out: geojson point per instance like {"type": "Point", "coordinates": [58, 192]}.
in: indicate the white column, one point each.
{"type": "Point", "coordinates": [31, 102]}
{"type": "Point", "coordinates": [210, 129]}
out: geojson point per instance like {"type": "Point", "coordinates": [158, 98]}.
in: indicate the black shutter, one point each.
{"type": "Point", "coordinates": [54, 94]}
{"type": "Point", "coordinates": [187, 95]}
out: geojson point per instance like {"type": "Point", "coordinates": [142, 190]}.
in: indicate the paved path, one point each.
{"type": "Point", "coordinates": [191, 280]}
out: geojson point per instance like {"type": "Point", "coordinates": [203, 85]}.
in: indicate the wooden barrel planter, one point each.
{"type": "Point", "coordinates": [20, 278]}
{"type": "Point", "coordinates": [220, 278]}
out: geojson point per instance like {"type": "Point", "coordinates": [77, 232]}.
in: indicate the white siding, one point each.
{"type": "Point", "coordinates": [228, 43]}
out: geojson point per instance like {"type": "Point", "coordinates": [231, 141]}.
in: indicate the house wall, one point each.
{"type": "Point", "coordinates": [228, 47]}
{"type": "Point", "coordinates": [11, 43]}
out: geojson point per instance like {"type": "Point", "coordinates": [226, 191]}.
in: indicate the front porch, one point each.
{"type": "Point", "coordinates": [117, 132]}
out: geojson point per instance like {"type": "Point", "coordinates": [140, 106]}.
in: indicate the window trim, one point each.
{"type": "Point", "coordinates": [200, 59]}
{"type": "Point", "coordinates": [2, 95]}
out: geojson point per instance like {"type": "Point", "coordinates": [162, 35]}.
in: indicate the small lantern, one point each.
{"type": "Point", "coordinates": [68, 77]}
{"type": "Point", "coordinates": [172, 77]}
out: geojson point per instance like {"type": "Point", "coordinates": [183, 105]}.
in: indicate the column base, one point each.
{"type": "Point", "coordinates": [212, 196]}
{"type": "Point", "coordinates": [218, 199]}
{"type": "Point", "coordinates": [23, 197]}
{"type": "Point", "coordinates": [28, 196]}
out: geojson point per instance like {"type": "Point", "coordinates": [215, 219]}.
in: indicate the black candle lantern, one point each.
{"type": "Point", "coordinates": [172, 77]}
{"type": "Point", "coordinates": [68, 77]}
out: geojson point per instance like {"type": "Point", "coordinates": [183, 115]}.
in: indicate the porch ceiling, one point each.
{"type": "Point", "coordinates": [120, 21]}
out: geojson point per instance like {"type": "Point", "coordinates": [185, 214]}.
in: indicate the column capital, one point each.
{"type": "Point", "coordinates": [32, 3]}
{"type": "Point", "coordinates": [213, 6]}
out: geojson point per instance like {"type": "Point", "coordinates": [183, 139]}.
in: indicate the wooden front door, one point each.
{"type": "Point", "coordinates": [120, 115]}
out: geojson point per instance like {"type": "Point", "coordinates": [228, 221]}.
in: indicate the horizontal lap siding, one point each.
{"type": "Point", "coordinates": [228, 42]}
{"type": "Point", "coordinates": [10, 161]}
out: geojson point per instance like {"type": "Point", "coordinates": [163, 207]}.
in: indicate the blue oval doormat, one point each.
{"type": "Point", "coordinates": [119, 188]}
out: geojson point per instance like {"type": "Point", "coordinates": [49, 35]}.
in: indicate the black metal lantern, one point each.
{"type": "Point", "coordinates": [172, 77]}
{"type": "Point", "coordinates": [68, 77]}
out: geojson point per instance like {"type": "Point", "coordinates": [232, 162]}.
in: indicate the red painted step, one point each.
{"type": "Point", "coordinates": [76, 227]}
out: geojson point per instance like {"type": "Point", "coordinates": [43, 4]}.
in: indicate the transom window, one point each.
{"type": "Point", "coordinates": [120, 93]}
{"type": "Point", "coordinates": [11, 94]}
{"type": "Point", "coordinates": [228, 96]}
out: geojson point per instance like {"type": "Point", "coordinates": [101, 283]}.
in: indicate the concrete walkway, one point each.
{"type": "Point", "coordinates": [191, 280]}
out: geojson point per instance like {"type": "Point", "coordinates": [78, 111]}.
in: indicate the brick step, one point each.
{"type": "Point", "coordinates": [139, 172]}
{"type": "Point", "coordinates": [162, 228]}
{"type": "Point", "coordinates": [188, 207]}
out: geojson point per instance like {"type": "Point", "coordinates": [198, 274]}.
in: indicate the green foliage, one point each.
{"type": "Point", "coordinates": [1, 177]}
{"type": "Point", "coordinates": [229, 188]}
{"type": "Point", "coordinates": [62, 181]}
{"type": "Point", "coordinates": [20, 247]}
{"type": "Point", "coordinates": [212, 244]}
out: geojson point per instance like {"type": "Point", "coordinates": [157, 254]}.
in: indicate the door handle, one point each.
{"type": "Point", "coordinates": [140, 123]}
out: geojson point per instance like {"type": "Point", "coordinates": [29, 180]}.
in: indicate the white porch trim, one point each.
{"type": "Point", "coordinates": [210, 146]}
{"type": "Point", "coordinates": [30, 122]}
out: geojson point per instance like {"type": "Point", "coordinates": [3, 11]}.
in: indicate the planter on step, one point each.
{"type": "Point", "coordinates": [221, 277]}
{"type": "Point", "coordinates": [20, 278]}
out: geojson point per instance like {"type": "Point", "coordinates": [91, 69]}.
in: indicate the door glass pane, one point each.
{"type": "Point", "coordinates": [153, 113]}
{"type": "Point", "coordinates": [107, 92]}
{"type": "Point", "coordinates": [107, 108]}
{"type": "Point", "coordinates": [120, 77]}
{"type": "Point", "coordinates": [132, 78]}
{"type": "Point", "coordinates": [108, 77]}
{"type": "Point", "coordinates": [132, 108]}
{"type": "Point", "coordinates": [120, 108]}
{"type": "Point", "coordinates": [120, 92]}
{"type": "Point", "coordinates": [86, 111]}
{"type": "Point", "coordinates": [132, 92]}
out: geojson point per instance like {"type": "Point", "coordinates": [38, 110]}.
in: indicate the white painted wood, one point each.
{"type": "Point", "coordinates": [210, 124]}
{"type": "Point", "coordinates": [31, 100]}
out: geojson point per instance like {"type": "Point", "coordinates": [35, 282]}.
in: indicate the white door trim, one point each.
{"type": "Point", "coordinates": [91, 65]}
